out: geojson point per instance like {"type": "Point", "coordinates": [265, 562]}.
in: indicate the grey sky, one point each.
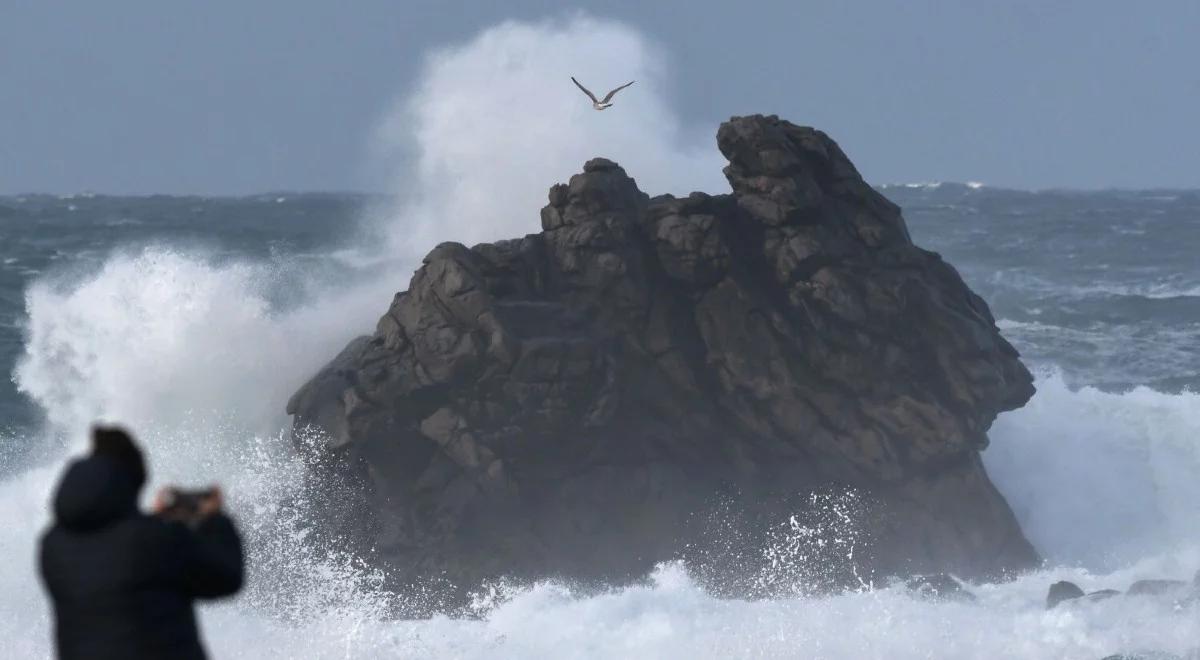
{"type": "Point", "coordinates": [232, 96]}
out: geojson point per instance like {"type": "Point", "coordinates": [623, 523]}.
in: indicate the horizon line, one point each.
{"type": "Point", "coordinates": [910, 185]}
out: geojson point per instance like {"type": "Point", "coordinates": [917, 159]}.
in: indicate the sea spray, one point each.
{"type": "Point", "coordinates": [1101, 479]}
{"type": "Point", "coordinates": [811, 552]}
{"type": "Point", "coordinates": [156, 335]}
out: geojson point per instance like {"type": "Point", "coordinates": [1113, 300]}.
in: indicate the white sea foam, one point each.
{"type": "Point", "coordinates": [1161, 289]}
{"type": "Point", "coordinates": [672, 618]}
{"type": "Point", "coordinates": [159, 335]}
{"type": "Point", "coordinates": [1101, 479]}
{"type": "Point", "coordinates": [933, 185]}
{"type": "Point", "coordinates": [1152, 290]}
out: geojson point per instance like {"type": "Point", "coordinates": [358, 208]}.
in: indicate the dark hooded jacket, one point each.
{"type": "Point", "coordinates": [122, 582]}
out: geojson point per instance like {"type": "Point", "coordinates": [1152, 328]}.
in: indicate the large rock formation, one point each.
{"type": "Point", "coordinates": [649, 378]}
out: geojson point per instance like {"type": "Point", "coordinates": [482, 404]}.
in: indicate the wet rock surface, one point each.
{"type": "Point", "coordinates": [939, 587]}
{"type": "Point", "coordinates": [1062, 591]}
{"type": "Point", "coordinates": [1156, 587]}
{"type": "Point", "coordinates": [1179, 592]}
{"type": "Point", "coordinates": [583, 402]}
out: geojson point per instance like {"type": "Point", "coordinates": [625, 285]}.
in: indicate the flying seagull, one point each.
{"type": "Point", "coordinates": [601, 105]}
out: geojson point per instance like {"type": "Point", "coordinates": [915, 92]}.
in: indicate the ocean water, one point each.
{"type": "Point", "coordinates": [193, 319]}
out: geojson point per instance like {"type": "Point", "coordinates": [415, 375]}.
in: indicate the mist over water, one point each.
{"type": "Point", "coordinates": [198, 342]}
{"type": "Point", "coordinates": [492, 123]}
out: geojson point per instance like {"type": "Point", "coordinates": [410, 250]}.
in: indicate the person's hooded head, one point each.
{"type": "Point", "coordinates": [103, 487]}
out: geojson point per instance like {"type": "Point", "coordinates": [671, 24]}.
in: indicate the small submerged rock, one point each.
{"type": "Point", "coordinates": [1156, 587]}
{"type": "Point", "coordinates": [1149, 655]}
{"type": "Point", "coordinates": [1062, 591]}
{"type": "Point", "coordinates": [1194, 597]}
{"type": "Point", "coordinates": [1186, 594]}
{"type": "Point", "coordinates": [939, 587]}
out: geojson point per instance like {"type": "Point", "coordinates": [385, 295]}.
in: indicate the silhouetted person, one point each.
{"type": "Point", "coordinates": [123, 582]}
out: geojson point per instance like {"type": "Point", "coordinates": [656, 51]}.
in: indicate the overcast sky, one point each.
{"type": "Point", "coordinates": [227, 96]}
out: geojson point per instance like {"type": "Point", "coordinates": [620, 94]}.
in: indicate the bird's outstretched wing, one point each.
{"type": "Point", "coordinates": [609, 96]}
{"type": "Point", "coordinates": [585, 90]}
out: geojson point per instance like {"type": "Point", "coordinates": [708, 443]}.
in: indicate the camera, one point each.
{"type": "Point", "coordinates": [180, 504]}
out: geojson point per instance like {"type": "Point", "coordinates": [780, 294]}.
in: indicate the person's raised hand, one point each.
{"type": "Point", "coordinates": [211, 504]}
{"type": "Point", "coordinates": [162, 498]}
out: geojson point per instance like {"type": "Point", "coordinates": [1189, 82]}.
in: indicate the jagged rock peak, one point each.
{"type": "Point", "coordinates": [769, 146]}
{"type": "Point", "coordinates": [601, 165]}
{"type": "Point", "coordinates": [603, 191]}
